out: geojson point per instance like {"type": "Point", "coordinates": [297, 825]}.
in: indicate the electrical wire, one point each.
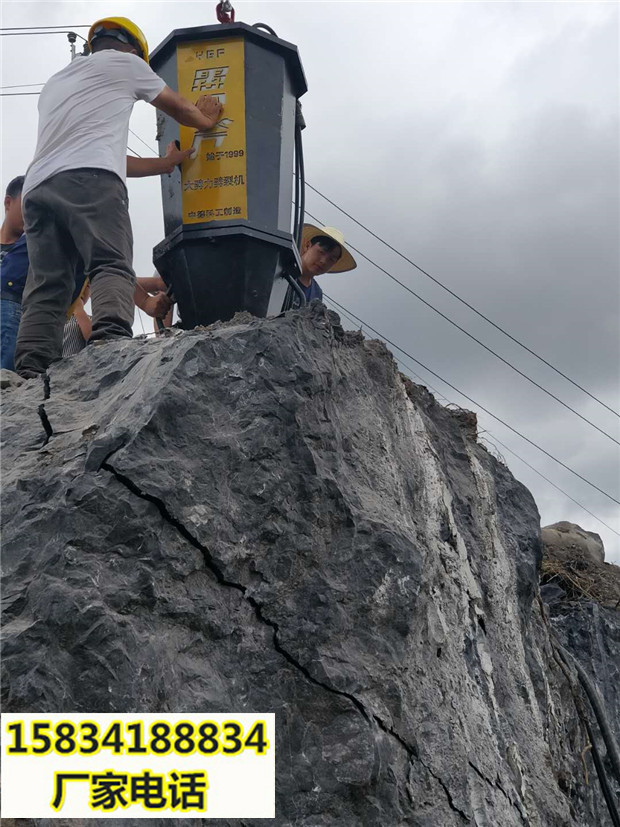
{"type": "Point", "coordinates": [31, 34]}
{"type": "Point", "coordinates": [31, 28]}
{"type": "Point", "coordinates": [473, 401]}
{"type": "Point", "coordinates": [21, 85]}
{"type": "Point", "coordinates": [463, 301]}
{"type": "Point", "coordinates": [17, 94]}
{"type": "Point", "coordinates": [493, 438]}
{"type": "Point", "coordinates": [471, 336]}
{"type": "Point", "coordinates": [561, 490]}
{"type": "Point", "coordinates": [399, 362]}
{"type": "Point", "coordinates": [141, 322]}
{"type": "Point", "coordinates": [142, 141]}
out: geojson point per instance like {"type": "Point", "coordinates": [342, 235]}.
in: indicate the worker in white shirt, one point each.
{"type": "Point", "coordinates": [74, 196]}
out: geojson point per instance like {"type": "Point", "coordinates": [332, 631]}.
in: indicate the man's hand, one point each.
{"type": "Point", "coordinates": [201, 117]}
{"type": "Point", "coordinates": [210, 107]}
{"type": "Point", "coordinates": [157, 306]}
{"type": "Point", "coordinates": [175, 156]}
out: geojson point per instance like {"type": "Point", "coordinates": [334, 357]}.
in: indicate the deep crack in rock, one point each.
{"type": "Point", "coordinates": [345, 529]}
{"type": "Point", "coordinates": [499, 787]}
{"type": "Point", "coordinates": [369, 716]}
{"type": "Point", "coordinates": [47, 426]}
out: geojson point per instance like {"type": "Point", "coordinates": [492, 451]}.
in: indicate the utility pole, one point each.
{"type": "Point", "coordinates": [72, 38]}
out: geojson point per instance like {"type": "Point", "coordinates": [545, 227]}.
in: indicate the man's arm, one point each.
{"type": "Point", "coordinates": [152, 284]}
{"type": "Point", "coordinates": [142, 167]}
{"type": "Point", "coordinates": [204, 115]}
{"type": "Point", "coordinates": [155, 306]}
{"type": "Point", "coordinates": [83, 319]}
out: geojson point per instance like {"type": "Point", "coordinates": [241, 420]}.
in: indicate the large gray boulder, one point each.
{"type": "Point", "coordinates": [568, 541]}
{"type": "Point", "coordinates": [263, 516]}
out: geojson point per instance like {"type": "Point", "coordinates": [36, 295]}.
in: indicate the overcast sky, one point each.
{"type": "Point", "coordinates": [479, 139]}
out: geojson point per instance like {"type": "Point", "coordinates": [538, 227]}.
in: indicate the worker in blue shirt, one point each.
{"type": "Point", "coordinates": [13, 270]}
{"type": "Point", "coordinates": [322, 251]}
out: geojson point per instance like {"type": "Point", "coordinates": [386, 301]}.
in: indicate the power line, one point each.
{"type": "Point", "coordinates": [536, 471]}
{"type": "Point", "coordinates": [144, 142]}
{"type": "Point", "coordinates": [32, 28]}
{"type": "Point", "coordinates": [402, 364]}
{"type": "Point", "coordinates": [462, 300]}
{"type": "Point", "coordinates": [21, 85]}
{"type": "Point", "coordinates": [10, 94]}
{"type": "Point", "coordinates": [17, 94]}
{"type": "Point", "coordinates": [473, 401]}
{"type": "Point", "coordinates": [514, 453]}
{"type": "Point", "coordinates": [471, 336]}
{"type": "Point", "coordinates": [141, 321]}
{"type": "Point", "coordinates": [31, 34]}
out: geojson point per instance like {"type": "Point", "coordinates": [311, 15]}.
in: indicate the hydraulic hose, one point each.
{"type": "Point", "coordinates": [296, 197]}
{"type": "Point", "coordinates": [295, 288]}
{"type": "Point", "coordinates": [595, 702]}
{"type": "Point", "coordinates": [300, 178]}
{"type": "Point", "coordinates": [302, 186]}
{"type": "Point", "coordinates": [565, 660]}
{"type": "Point", "coordinates": [602, 777]}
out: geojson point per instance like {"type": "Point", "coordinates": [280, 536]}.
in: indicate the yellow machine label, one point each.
{"type": "Point", "coordinates": [214, 180]}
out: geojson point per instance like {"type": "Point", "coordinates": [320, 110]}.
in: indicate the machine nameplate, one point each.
{"type": "Point", "coordinates": [214, 180]}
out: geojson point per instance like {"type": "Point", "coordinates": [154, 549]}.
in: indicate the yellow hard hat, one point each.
{"type": "Point", "coordinates": [114, 25]}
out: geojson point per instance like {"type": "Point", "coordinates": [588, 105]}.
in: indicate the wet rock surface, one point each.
{"type": "Point", "coordinates": [263, 516]}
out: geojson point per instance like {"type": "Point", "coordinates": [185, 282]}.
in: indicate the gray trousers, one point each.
{"type": "Point", "coordinates": [81, 214]}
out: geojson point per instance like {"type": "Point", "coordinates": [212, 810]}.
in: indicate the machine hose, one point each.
{"type": "Point", "coordinates": [300, 187]}
{"type": "Point", "coordinates": [595, 702]}
{"type": "Point", "coordinates": [296, 196]}
{"type": "Point", "coordinates": [565, 660]}
{"type": "Point", "coordinates": [602, 777]}
{"type": "Point", "coordinates": [296, 288]}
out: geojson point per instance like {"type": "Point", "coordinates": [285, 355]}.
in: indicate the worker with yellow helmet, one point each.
{"type": "Point", "coordinates": [124, 30]}
{"type": "Point", "coordinates": [74, 196]}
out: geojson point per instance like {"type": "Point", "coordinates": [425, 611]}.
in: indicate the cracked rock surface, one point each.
{"type": "Point", "coordinates": [263, 516]}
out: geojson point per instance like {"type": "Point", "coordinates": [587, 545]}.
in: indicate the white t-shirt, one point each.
{"type": "Point", "coordinates": [84, 113]}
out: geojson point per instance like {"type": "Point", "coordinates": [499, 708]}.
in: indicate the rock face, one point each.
{"type": "Point", "coordinates": [568, 541]}
{"type": "Point", "coordinates": [263, 516]}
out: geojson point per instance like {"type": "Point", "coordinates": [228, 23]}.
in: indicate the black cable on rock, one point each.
{"type": "Point", "coordinates": [602, 777]}
{"type": "Point", "coordinates": [597, 706]}
{"type": "Point", "coordinates": [565, 660]}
